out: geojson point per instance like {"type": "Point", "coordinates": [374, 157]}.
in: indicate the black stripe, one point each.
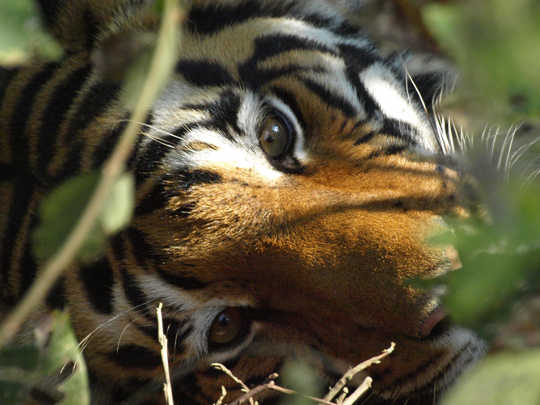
{"type": "Point", "coordinates": [57, 296]}
{"type": "Point", "coordinates": [268, 46]}
{"type": "Point", "coordinates": [135, 356]}
{"type": "Point", "coordinates": [154, 200]}
{"type": "Point", "coordinates": [49, 11]}
{"type": "Point", "coordinates": [98, 281]}
{"type": "Point", "coordinates": [149, 160]}
{"type": "Point", "coordinates": [327, 97]}
{"type": "Point", "coordinates": [184, 211]}
{"type": "Point", "coordinates": [400, 130]}
{"type": "Point", "coordinates": [223, 115]}
{"type": "Point", "coordinates": [141, 249]}
{"type": "Point", "coordinates": [59, 102]}
{"type": "Point", "coordinates": [106, 145]}
{"type": "Point", "coordinates": [290, 100]}
{"type": "Point", "coordinates": [391, 150]}
{"type": "Point", "coordinates": [275, 44]}
{"type": "Point", "coordinates": [91, 25]}
{"type": "Point", "coordinates": [21, 199]}
{"type": "Point", "coordinates": [365, 138]}
{"type": "Point", "coordinates": [357, 59]}
{"type": "Point", "coordinates": [186, 178]}
{"type": "Point", "coordinates": [94, 102]}
{"type": "Point", "coordinates": [22, 111]}
{"type": "Point", "coordinates": [213, 18]}
{"type": "Point", "coordinates": [136, 297]}
{"type": "Point", "coordinates": [27, 266]}
{"type": "Point", "coordinates": [118, 247]}
{"type": "Point", "coordinates": [71, 166]}
{"type": "Point", "coordinates": [204, 73]}
{"type": "Point", "coordinates": [7, 172]}
{"type": "Point", "coordinates": [5, 79]}
{"type": "Point", "coordinates": [172, 329]}
{"type": "Point", "coordinates": [184, 282]}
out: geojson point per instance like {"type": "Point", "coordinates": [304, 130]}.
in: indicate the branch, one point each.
{"type": "Point", "coordinates": [114, 166]}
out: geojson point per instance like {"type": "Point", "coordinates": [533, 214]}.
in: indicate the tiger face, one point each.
{"type": "Point", "coordinates": [286, 188]}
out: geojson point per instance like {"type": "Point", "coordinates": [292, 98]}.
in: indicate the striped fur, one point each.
{"type": "Point", "coordinates": [312, 249]}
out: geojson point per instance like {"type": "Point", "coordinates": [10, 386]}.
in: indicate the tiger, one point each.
{"type": "Point", "coordinates": [288, 179]}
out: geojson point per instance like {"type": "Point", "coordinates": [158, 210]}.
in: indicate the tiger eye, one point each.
{"type": "Point", "coordinates": [274, 136]}
{"type": "Point", "coordinates": [226, 327]}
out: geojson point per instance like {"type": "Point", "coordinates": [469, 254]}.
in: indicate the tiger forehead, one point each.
{"type": "Point", "coordinates": [315, 69]}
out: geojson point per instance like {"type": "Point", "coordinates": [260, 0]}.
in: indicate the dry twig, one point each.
{"type": "Point", "coordinates": [355, 370]}
{"type": "Point", "coordinates": [112, 169]}
{"type": "Point", "coordinates": [167, 387]}
{"type": "Point", "coordinates": [343, 399]}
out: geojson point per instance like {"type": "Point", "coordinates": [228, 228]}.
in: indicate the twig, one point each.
{"type": "Point", "coordinates": [271, 385]}
{"type": "Point", "coordinates": [167, 387]}
{"type": "Point", "coordinates": [355, 370]}
{"type": "Point", "coordinates": [222, 397]}
{"type": "Point", "coordinates": [359, 391]}
{"type": "Point", "coordinates": [113, 168]}
{"type": "Point", "coordinates": [243, 386]}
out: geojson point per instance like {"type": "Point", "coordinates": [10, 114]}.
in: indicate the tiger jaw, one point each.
{"type": "Point", "coordinates": [459, 348]}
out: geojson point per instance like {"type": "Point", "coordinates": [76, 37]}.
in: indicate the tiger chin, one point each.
{"type": "Point", "coordinates": [287, 179]}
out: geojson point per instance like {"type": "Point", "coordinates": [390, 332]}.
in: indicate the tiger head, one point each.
{"type": "Point", "coordinates": [287, 185]}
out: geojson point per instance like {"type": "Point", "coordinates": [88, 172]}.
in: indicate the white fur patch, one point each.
{"type": "Point", "coordinates": [388, 94]}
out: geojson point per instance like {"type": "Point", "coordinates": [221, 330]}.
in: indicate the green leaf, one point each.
{"type": "Point", "coordinates": [495, 43]}
{"type": "Point", "coordinates": [21, 33]}
{"type": "Point", "coordinates": [60, 211]}
{"type": "Point", "coordinates": [25, 357]}
{"type": "Point", "coordinates": [120, 204]}
{"type": "Point", "coordinates": [12, 392]}
{"type": "Point", "coordinates": [17, 365]}
{"type": "Point", "coordinates": [504, 379]}
{"type": "Point", "coordinates": [63, 350]}
{"type": "Point", "coordinates": [300, 377]}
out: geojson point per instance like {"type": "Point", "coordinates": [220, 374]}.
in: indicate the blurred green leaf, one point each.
{"type": "Point", "coordinates": [12, 392]}
{"type": "Point", "coordinates": [21, 34]}
{"type": "Point", "coordinates": [504, 379]}
{"type": "Point", "coordinates": [120, 204]}
{"type": "Point", "coordinates": [57, 369]}
{"type": "Point", "coordinates": [25, 357]}
{"type": "Point", "coordinates": [64, 350]}
{"type": "Point", "coordinates": [302, 378]}
{"type": "Point", "coordinates": [495, 44]}
{"type": "Point", "coordinates": [59, 212]}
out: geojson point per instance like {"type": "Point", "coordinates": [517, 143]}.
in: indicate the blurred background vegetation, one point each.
{"type": "Point", "coordinates": [495, 47]}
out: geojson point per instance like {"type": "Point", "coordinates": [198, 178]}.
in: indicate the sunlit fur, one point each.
{"type": "Point", "coordinates": [317, 250]}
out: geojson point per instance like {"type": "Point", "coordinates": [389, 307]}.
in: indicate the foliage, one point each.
{"type": "Point", "coordinates": [21, 33]}
{"type": "Point", "coordinates": [53, 366]}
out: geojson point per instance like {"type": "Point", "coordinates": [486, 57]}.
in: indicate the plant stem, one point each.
{"type": "Point", "coordinates": [112, 169]}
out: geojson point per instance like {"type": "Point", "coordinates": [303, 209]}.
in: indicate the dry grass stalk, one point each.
{"type": "Point", "coordinates": [222, 397]}
{"type": "Point", "coordinates": [340, 388]}
{"type": "Point", "coordinates": [355, 370]}
{"type": "Point", "coordinates": [237, 380]}
{"type": "Point", "coordinates": [167, 387]}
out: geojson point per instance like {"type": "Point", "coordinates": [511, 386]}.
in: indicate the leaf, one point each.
{"type": "Point", "coordinates": [58, 369]}
{"type": "Point", "coordinates": [21, 33]}
{"type": "Point", "coordinates": [25, 357]}
{"type": "Point", "coordinates": [300, 377]}
{"type": "Point", "coordinates": [120, 204]}
{"type": "Point", "coordinates": [17, 363]}
{"type": "Point", "coordinates": [495, 43]}
{"type": "Point", "coordinates": [59, 212]}
{"type": "Point", "coordinates": [503, 379]}
{"type": "Point", "coordinates": [63, 350]}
